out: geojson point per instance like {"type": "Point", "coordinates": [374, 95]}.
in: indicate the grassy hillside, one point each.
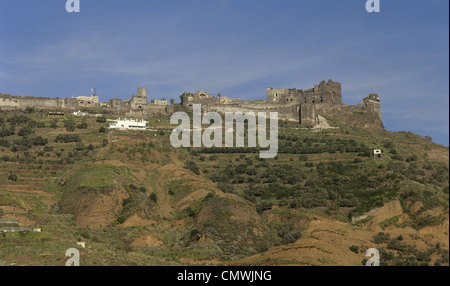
{"type": "Point", "coordinates": [135, 200]}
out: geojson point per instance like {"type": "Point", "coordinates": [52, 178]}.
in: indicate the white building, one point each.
{"type": "Point", "coordinates": [128, 124]}
{"type": "Point", "coordinates": [79, 113]}
{"type": "Point", "coordinates": [377, 153]}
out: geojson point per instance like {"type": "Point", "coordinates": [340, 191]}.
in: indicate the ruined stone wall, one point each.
{"type": "Point", "coordinates": [11, 102]}
{"type": "Point", "coordinates": [88, 101]}
{"type": "Point", "coordinates": [289, 113]}
{"type": "Point", "coordinates": [303, 106]}
{"type": "Point", "coordinates": [156, 109]}
{"type": "Point", "coordinates": [275, 94]}
{"type": "Point", "coordinates": [138, 104]}
{"type": "Point", "coordinates": [372, 104]}
{"type": "Point", "coordinates": [324, 93]}
{"type": "Point", "coordinates": [159, 102]}
{"type": "Point", "coordinates": [202, 97]}
{"type": "Point", "coordinates": [308, 114]}
{"type": "Point", "coordinates": [72, 104]}
{"type": "Point", "coordinates": [254, 102]}
{"type": "Point", "coordinates": [115, 105]}
{"type": "Point", "coordinates": [354, 116]}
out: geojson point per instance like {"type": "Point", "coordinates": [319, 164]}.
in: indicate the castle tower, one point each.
{"type": "Point", "coordinates": [139, 101]}
{"type": "Point", "coordinates": [142, 94]}
{"type": "Point", "coordinates": [373, 104]}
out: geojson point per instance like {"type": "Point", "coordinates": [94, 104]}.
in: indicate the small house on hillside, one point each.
{"type": "Point", "coordinates": [377, 153]}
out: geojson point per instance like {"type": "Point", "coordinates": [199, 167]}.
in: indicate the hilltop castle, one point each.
{"type": "Point", "coordinates": [309, 107]}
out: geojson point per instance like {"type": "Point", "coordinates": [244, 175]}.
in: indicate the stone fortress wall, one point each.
{"type": "Point", "coordinates": [307, 107]}
{"type": "Point", "coordinates": [303, 106]}
{"type": "Point", "coordinates": [137, 106]}
{"type": "Point", "coordinates": [12, 102]}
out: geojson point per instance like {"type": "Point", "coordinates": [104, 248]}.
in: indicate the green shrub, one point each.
{"type": "Point", "coordinates": [381, 237]}
{"type": "Point", "coordinates": [192, 166]}
{"type": "Point", "coordinates": [288, 233]}
{"type": "Point", "coordinates": [388, 144]}
{"type": "Point", "coordinates": [354, 249]}
{"type": "Point", "coordinates": [25, 131]}
{"type": "Point", "coordinates": [194, 235]}
{"type": "Point", "coordinates": [101, 119]}
{"type": "Point", "coordinates": [85, 234]}
{"type": "Point", "coordinates": [395, 244]}
{"type": "Point", "coordinates": [82, 125]}
{"type": "Point", "coordinates": [397, 157]}
{"type": "Point", "coordinates": [303, 158]}
{"type": "Point", "coordinates": [13, 177]}
{"type": "Point", "coordinates": [67, 138]}
{"type": "Point", "coordinates": [69, 124]}
{"type": "Point", "coordinates": [412, 158]}
{"type": "Point", "coordinates": [29, 110]}
{"type": "Point", "coordinates": [39, 141]}
{"type": "Point", "coordinates": [54, 124]}
{"type": "Point", "coordinates": [154, 197]}
{"type": "Point", "coordinates": [4, 143]}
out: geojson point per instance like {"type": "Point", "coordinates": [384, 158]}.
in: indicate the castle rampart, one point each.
{"type": "Point", "coordinates": [300, 105]}
{"type": "Point", "coordinates": [137, 106]}
{"type": "Point", "coordinates": [305, 106]}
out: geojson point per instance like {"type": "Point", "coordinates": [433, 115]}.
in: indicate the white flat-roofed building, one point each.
{"type": "Point", "coordinates": [128, 124]}
{"type": "Point", "coordinates": [377, 153]}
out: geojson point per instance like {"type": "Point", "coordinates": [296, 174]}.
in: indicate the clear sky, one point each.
{"type": "Point", "coordinates": [237, 48]}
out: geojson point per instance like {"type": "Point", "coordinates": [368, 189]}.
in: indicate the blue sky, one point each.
{"type": "Point", "coordinates": [237, 48]}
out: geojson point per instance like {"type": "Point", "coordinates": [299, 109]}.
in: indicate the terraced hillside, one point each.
{"type": "Point", "coordinates": [135, 200]}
